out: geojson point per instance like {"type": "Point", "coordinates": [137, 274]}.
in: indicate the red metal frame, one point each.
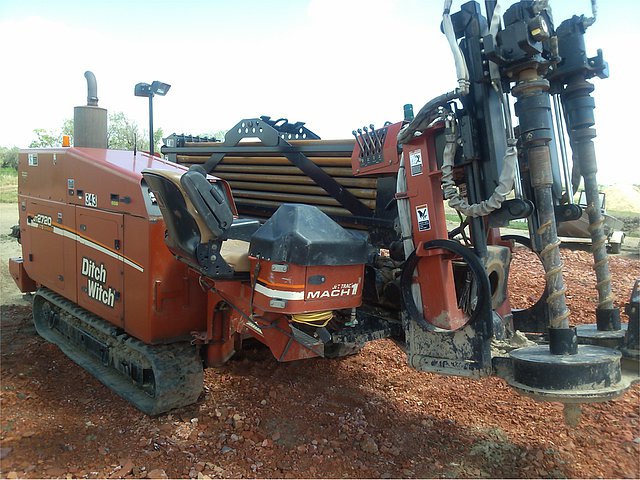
{"type": "Point", "coordinates": [434, 270]}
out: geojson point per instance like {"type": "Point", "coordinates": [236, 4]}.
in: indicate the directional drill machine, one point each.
{"type": "Point", "coordinates": [145, 269]}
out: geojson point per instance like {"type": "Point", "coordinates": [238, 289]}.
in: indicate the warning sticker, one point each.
{"type": "Point", "coordinates": [422, 213]}
{"type": "Point", "coordinates": [415, 160]}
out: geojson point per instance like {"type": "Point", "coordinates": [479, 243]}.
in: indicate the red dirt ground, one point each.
{"type": "Point", "coordinates": [365, 416]}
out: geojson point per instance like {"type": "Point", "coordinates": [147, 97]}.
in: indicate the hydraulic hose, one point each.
{"type": "Point", "coordinates": [505, 184]}
{"type": "Point", "coordinates": [426, 113]}
{"type": "Point", "coordinates": [476, 268]}
{"type": "Point", "coordinates": [461, 66]}
{"type": "Point", "coordinates": [404, 217]}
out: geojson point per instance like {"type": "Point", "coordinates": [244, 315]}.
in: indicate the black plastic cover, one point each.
{"type": "Point", "coordinates": [304, 235]}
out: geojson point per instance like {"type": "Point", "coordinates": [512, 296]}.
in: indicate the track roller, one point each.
{"type": "Point", "coordinates": [154, 378]}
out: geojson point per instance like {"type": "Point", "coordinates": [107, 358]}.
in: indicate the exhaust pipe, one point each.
{"type": "Point", "coordinates": [92, 89]}
{"type": "Point", "coordinates": [90, 121]}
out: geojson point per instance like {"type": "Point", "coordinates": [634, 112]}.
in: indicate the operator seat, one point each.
{"type": "Point", "coordinates": [197, 216]}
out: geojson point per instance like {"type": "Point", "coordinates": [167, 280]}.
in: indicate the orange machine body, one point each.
{"type": "Point", "coordinates": [290, 289]}
{"type": "Point", "coordinates": [91, 232]}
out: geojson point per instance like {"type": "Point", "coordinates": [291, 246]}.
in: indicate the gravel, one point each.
{"type": "Point", "coordinates": [364, 416]}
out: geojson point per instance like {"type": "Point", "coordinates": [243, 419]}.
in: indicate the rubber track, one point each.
{"type": "Point", "coordinates": [176, 367]}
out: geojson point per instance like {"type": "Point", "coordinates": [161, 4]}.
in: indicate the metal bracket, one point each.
{"type": "Point", "coordinates": [269, 136]}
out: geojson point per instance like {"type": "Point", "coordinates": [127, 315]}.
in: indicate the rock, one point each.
{"type": "Point", "coordinates": [12, 475]}
{"type": "Point", "coordinates": [157, 473]}
{"type": "Point", "coordinates": [395, 451]}
{"type": "Point", "coordinates": [263, 402]}
{"type": "Point", "coordinates": [200, 466]}
{"type": "Point", "coordinates": [4, 451]}
{"type": "Point", "coordinates": [125, 469]}
{"type": "Point", "coordinates": [636, 440]}
{"type": "Point", "coordinates": [368, 445]}
{"type": "Point", "coordinates": [56, 472]}
{"type": "Point", "coordinates": [226, 449]}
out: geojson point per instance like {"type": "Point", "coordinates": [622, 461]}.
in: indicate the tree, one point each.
{"type": "Point", "coordinates": [9, 157]}
{"type": "Point", "coordinates": [45, 138]}
{"type": "Point", "coordinates": [218, 135]}
{"type": "Point", "coordinates": [125, 134]}
{"type": "Point", "coordinates": [67, 128]}
{"type": "Point", "coordinates": [122, 134]}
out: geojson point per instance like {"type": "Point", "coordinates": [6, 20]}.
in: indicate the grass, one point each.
{"type": "Point", "coordinates": [623, 213]}
{"type": "Point", "coordinates": [453, 218]}
{"type": "Point", "coordinates": [8, 185]}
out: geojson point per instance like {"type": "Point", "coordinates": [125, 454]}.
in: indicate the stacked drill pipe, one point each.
{"type": "Point", "coordinates": [269, 179]}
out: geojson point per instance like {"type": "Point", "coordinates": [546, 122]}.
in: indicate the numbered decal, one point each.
{"type": "Point", "coordinates": [90, 199]}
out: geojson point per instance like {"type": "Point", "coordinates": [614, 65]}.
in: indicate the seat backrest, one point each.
{"type": "Point", "coordinates": [189, 223]}
{"type": "Point", "coordinates": [208, 200]}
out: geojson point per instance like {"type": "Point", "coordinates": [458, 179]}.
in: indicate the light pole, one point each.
{"type": "Point", "coordinates": [146, 90]}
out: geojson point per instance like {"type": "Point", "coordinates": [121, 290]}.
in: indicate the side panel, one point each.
{"type": "Point", "coordinates": [100, 263]}
{"type": "Point", "coordinates": [48, 247]}
{"type": "Point", "coordinates": [42, 175]}
{"type": "Point", "coordinates": [164, 301]}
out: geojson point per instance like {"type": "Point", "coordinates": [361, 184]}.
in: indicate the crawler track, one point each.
{"type": "Point", "coordinates": [154, 378]}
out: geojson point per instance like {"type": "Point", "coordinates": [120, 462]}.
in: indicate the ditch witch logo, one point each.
{"type": "Point", "coordinates": [96, 279]}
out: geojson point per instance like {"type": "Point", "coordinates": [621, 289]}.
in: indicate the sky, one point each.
{"type": "Point", "coordinates": [335, 64]}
